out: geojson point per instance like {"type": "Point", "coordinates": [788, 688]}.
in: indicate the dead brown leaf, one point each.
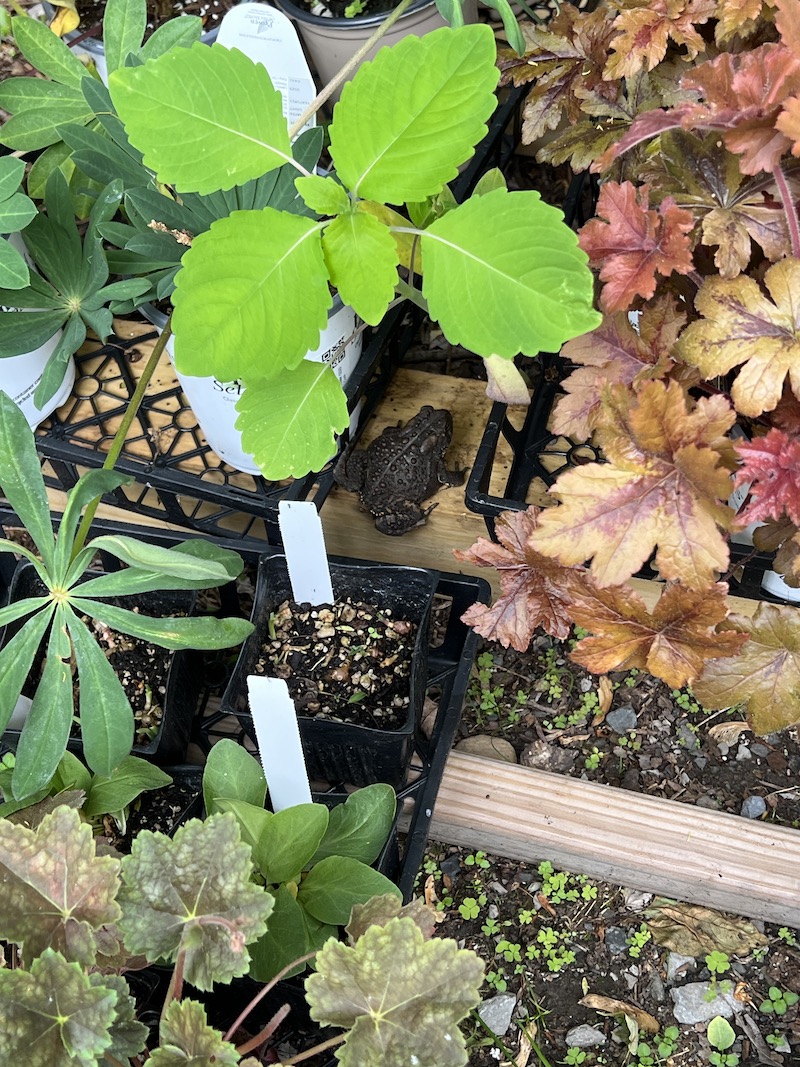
{"type": "Point", "coordinates": [727, 733]}
{"type": "Point", "coordinates": [693, 930]}
{"type": "Point", "coordinates": [611, 1006]}
{"type": "Point", "coordinates": [524, 1054]}
{"type": "Point", "coordinates": [605, 693]}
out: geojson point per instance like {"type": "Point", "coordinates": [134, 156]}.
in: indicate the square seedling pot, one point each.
{"type": "Point", "coordinates": [183, 677]}
{"type": "Point", "coordinates": [341, 752]}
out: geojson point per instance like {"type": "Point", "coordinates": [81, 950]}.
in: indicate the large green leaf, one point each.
{"type": "Point", "coordinates": [402, 996]}
{"type": "Point", "coordinates": [174, 888]}
{"type": "Point", "coordinates": [54, 1015]}
{"type": "Point", "coordinates": [124, 23]}
{"type": "Point", "coordinates": [284, 941]}
{"type": "Point", "coordinates": [195, 560]}
{"type": "Point", "coordinates": [361, 257]}
{"type": "Point", "coordinates": [37, 127]}
{"type": "Point", "coordinates": [396, 146]}
{"type": "Point", "coordinates": [21, 478]}
{"type": "Point", "coordinates": [44, 736]}
{"type": "Point", "coordinates": [25, 331]}
{"type": "Point", "coordinates": [107, 725]}
{"type": "Point", "coordinates": [231, 772]}
{"type": "Point", "coordinates": [173, 633]}
{"type": "Point", "coordinates": [289, 840]}
{"type": "Point", "coordinates": [185, 1038]}
{"type": "Point", "coordinates": [126, 782]}
{"type": "Point", "coordinates": [57, 892]}
{"type": "Point", "coordinates": [252, 296]}
{"type": "Point", "coordinates": [289, 423]}
{"type": "Point", "coordinates": [45, 51]}
{"type": "Point", "coordinates": [16, 659]}
{"type": "Point", "coordinates": [334, 885]}
{"type": "Point", "coordinates": [503, 274]}
{"type": "Point", "coordinates": [205, 118]}
{"type": "Point", "coordinates": [14, 273]}
{"type": "Point", "coordinates": [360, 827]}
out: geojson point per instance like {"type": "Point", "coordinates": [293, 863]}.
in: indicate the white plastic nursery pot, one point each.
{"type": "Point", "coordinates": [214, 402]}
{"type": "Point", "coordinates": [331, 42]}
{"type": "Point", "coordinates": [19, 375]}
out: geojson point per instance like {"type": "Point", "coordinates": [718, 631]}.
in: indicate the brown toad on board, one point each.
{"type": "Point", "coordinates": [400, 469]}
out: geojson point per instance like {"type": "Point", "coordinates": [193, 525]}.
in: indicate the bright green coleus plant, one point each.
{"type": "Point", "coordinates": [69, 595]}
{"type": "Point", "coordinates": [501, 273]}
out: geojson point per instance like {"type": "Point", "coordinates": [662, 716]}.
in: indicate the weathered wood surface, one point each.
{"type": "Point", "coordinates": [677, 850]}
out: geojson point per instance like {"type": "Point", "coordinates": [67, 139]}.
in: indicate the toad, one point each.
{"type": "Point", "coordinates": [400, 469]}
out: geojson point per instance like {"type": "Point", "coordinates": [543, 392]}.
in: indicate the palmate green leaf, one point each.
{"type": "Point", "coordinates": [16, 659]}
{"type": "Point", "coordinates": [57, 892]}
{"type": "Point", "coordinates": [284, 941]}
{"type": "Point", "coordinates": [204, 118]}
{"type": "Point", "coordinates": [128, 1037]}
{"type": "Point", "coordinates": [37, 127]}
{"type": "Point", "coordinates": [107, 725]}
{"type": "Point", "coordinates": [173, 633]}
{"type": "Point", "coordinates": [360, 827]}
{"type": "Point", "coordinates": [47, 52]}
{"type": "Point", "coordinates": [394, 147]}
{"type": "Point", "coordinates": [20, 608]}
{"type": "Point", "coordinates": [44, 736]}
{"type": "Point", "coordinates": [289, 840]}
{"type": "Point", "coordinates": [14, 273]}
{"type": "Point", "coordinates": [231, 772]}
{"type": "Point", "coordinates": [54, 1015]}
{"type": "Point", "coordinates": [331, 888]}
{"type": "Point", "coordinates": [234, 277]}
{"type": "Point", "coordinates": [361, 257]}
{"type": "Point", "coordinates": [70, 341]}
{"type": "Point", "coordinates": [21, 478]}
{"type": "Point", "coordinates": [195, 560]}
{"type": "Point", "coordinates": [25, 331]}
{"type": "Point", "coordinates": [89, 485]}
{"type": "Point", "coordinates": [186, 1038]}
{"type": "Point", "coordinates": [182, 32]}
{"type": "Point", "coordinates": [124, 24]}
{"type": "Point", "coordinates": [203, 872]}
{"type": "Point", "coordinates": [289, 423]}
{"type": "Point", "coordinates": [403, 996]}
{"type": "Point", "coordinates": [126, 782]}
{"type": "Point", "coordinates": [503, 274]}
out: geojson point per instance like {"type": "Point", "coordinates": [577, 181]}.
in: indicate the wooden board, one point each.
{"type": "Point", "coordinates": [678, 850]}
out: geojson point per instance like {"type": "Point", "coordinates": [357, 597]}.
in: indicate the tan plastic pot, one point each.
{"type": "Point", "coordinates": [331, 42]}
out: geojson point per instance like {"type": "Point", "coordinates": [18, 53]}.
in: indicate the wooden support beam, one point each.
{"type": "Point", "coordinates": [677, 850]}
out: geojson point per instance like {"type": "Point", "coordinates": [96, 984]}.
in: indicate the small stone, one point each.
{"type": "Point", "coordinates": [496, 748]}
{"type": "Point", "coordinates": [584, 1036]}
{"type": "Point", "coordinates": [544, 757]}
{"type": "Point", "coordinates": [656, 988]}
{"type": "Point", "coordinates": [759, 750]}
{"type": "Point", "coordinates": [636, 900]}
{"type": "Point", "coordinates": [451, 867]}
{"type": "Point", "coordinates": [616, 940]}
{"type": "Point", "coordinates": [700, 762]}
{"type": "Point", "coordinates": [493, 911]}
{"type": "Point", "coordinates": [707, 802]}
{"type": "Point", "coordinates": [621, 720]}
{"type": "Point", "coordinates": [753, 807]}
{"type": "Point", "coordinates": [687, 737]}
{"type": "Point", "coordinates": [678, 965]}
{"type": "Point", "coordinates": [498, 888]}
{"type": "Point", "coordinates": [743, 753]}
{"type": "Point", "coordinates": [698, 1001]}
{"type": "Point", "coordinates": [496, 1012]}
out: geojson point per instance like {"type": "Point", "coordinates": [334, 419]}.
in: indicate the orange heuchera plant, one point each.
{"type": "Point", "coordinates": [690, 111]}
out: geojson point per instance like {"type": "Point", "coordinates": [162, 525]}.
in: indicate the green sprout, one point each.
{"type": "Point", "coordinates": [778, 1001]}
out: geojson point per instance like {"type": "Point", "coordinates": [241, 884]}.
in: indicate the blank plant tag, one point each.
{"type": "Point", "coordinates": [278, 737]}
{"type": "Point", "coordinates": [268, 37]}
{"type": "Point", "coordinates": [304, 547]}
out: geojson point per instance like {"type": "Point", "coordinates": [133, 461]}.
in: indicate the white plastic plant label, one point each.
{"type": "Point", "coordinates": [278, 736]}
{"type": "Point", "coordinates": [304, 547]}
{"type": "Point", "coordinates": [268, 37]}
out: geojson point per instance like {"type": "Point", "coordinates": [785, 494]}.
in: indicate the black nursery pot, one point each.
{"type": "Point", "coordinates": [341, 752]}
{"type": "Point", "coordinates": [184, 676]}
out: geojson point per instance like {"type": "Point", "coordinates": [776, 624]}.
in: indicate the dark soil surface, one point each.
{"type": "Point", "coordinates": [556, 944]}
{"type": "Point", "coordinates": [158, 11]}
{"type": "Point", "coordinates": [630, 731]}
{"type": "Point", "coordinates": [159, 810]}
{"type": "Point", "coordinates": [349, 662]}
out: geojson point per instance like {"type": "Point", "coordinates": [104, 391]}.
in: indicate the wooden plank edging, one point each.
{"type": "Point", "coordinates": [677, 850]}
